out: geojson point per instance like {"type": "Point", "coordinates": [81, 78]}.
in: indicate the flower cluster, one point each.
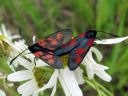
{"type": "Point", "coordinates": [6, 45]}
{"type": "Point", "coordinates": [6, 40]}
{"type": "Point", "coordinates": [41, 77]}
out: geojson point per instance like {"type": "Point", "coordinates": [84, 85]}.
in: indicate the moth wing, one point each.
{"type": "Point", "coordinates": [50, 58]}
{"type": "Point", "coordinates": [56, 40]}
{"type": "Point", "coordinates": [68, 47]}
{"type": "Point", "coordinates": [77, 54]}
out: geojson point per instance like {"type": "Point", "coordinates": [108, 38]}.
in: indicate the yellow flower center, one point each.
{"type": "Point", "coordinates": [5, 48]}
{"type": "Point", "coordinates": [2, 37]}
{"type": "Point", "coordinates": [42, 75]}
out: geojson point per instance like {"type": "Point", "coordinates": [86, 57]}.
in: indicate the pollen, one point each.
{"type": "Point", "coordinates": [2, 37]}
{"type": "Point", "coordinates": [5, 48]}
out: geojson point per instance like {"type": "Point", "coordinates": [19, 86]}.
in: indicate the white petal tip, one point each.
{"type": "Point", "coordinates": [111, 41]}
{"type": "Point", "coordinates": [109, 79]}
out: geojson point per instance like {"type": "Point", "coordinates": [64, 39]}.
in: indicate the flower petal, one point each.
{"type": "Point", "coordinates": [89, 67]}
{"type": "Point", "coordinates": [34, 39]}
{"type": "Point", "coordinates": [65, 87]}
{"type": "Point", "coordinates": [29, 55]}
{"type": "Point", "coordinates": [90, 71]}
{"type": "Point", "coordinates": [79, 75]}
{"type": "Point", "coordinates": [4, 31]}
{"type": "Point", "coordinates": [98, 66]}
{"type": "Point", "coordinates": [2, 93]}
{"type": "Point", "coordinates": [71, 82]}
{"type": "Point", "coordinates": [15, 36]}
{"type": "Point", "coordinates": [111, 41]}
{"type": "Point", "coordinates": [97, 53]}
{"type": "Point", "coordinates": [103, 75]}
{"type": "Point", "coordinates": [40, 63]}
{"type": "Point", "coordinates": [54, 89]}
{"type": "Point", "coordinates": [27, 88]}
{"type": "Point", "coordinates": [20, 45]}
{"type": "Point", "coordinates": [20, 76]}
{"type": "Point", "coordinates": [25, 63]}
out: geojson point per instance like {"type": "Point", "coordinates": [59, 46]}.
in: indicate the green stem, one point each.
{"type": "Point", "coordinates": [102, 91]}
{"type": "Point", "coordinates": [97, 87]}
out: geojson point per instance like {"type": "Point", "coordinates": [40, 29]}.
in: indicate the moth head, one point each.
{"type": "Point", "coordinates": [91, 34]}
{"type": "Point", "coordinates": [34, 48]}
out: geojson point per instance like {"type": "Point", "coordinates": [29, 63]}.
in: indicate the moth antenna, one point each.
{"type": "Point", "coordinates": [17, 56]}
{"type": "Point", "coordinates": [23, 36]}
{"type": "Point", "coordinates": [108, 33]}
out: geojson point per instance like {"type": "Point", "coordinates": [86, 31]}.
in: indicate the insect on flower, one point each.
{"type": "Point", "coordinates": [60, 43]}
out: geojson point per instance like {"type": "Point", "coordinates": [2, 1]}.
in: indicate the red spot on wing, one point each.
{"type": "Point", "coordinates": [72, 42]}
{"type": "Point", "coordinates": [78, 60]}
{"type": "Point", "coordinates": [54, 42]}
{"type": "Point", "coordinates": [90, 42]}
{"type": "Point", "coordinates": [49, 56]}
{"type": "Point", "coordinates": [80, 51]}
{"type": "Point", "coordinates": [59, 36]}
{"type": "Point", "coordinates": [44, 57]}
{"type": "Point", "coordinates": [51, 61]}
{"type": "Point", "coordinates": [50, 39]}
{"type": "Point", "coordinates": [38, 54]}
{"type": "Point", "coordinates": [42, 43]}
{"type": "Point", "coordinates": [82, 35]}
{"type": "Point", "coordinates": [64, 45]}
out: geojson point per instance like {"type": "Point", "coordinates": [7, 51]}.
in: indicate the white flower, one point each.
{"type": "Point", "coordinates": [6, 41]}
{"type": "Point", "coordinates": [67, 80]}
{"type": "Point", "coordinates": [94, 68]}
{"type": "Point", "coordinates": [30, 86]}
{"type": "Point", "coordinates": [69, 85]}
{"type": "Point", "coordinates": [28, 75]}
{"type": "Point", "coordinates": [2, 93]}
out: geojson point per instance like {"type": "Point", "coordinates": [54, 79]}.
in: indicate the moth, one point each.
{"type": "Point", "coordinates": [60, 43]}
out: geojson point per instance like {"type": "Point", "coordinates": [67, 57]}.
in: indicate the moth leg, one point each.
{"type": "Point", "coordinates": [27, 53]}
{"type": "Point", "coordinates": [34, 64]}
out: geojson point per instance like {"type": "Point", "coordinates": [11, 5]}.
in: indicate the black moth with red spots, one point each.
{"type": "Point", "coordinates": [61, 43]}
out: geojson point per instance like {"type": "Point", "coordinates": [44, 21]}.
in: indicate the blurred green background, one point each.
{"type": "Point", "coordinates": [43, 17]}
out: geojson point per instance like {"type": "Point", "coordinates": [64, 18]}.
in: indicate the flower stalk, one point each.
{"type": "Point", "coordinates": [98, 87]}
